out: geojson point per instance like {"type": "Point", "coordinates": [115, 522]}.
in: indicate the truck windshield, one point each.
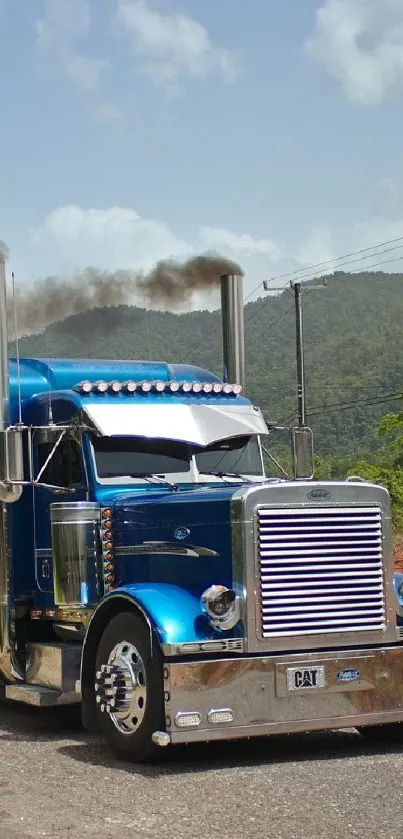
{"type": "Point", "coordinates": [235, 456]}
{"type": "Point", "coordinates": [136, 456]}
{"type": "Point", "coordinates": [132, 458]}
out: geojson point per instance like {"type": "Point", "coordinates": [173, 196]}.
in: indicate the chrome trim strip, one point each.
{"type": "Point", "coordinates": [227, 732]}
{"type": "Point", "coordinates": [224, 645]}
{"type": "Point", "coordinates": [164, 549]}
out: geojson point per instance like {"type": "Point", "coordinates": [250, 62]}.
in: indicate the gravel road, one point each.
{"type": "Point", "coordinates": [59, 782]}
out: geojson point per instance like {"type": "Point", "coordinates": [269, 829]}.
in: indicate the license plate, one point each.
{"type": "Point", "coordinates": [305, 677]}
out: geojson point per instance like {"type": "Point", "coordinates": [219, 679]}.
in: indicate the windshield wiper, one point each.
{"type": "Point", "coordinates": [224, 475]}
{"type": "Point", "coordinates": [148, 476]}
{"type": "Point", "coordinates": [152, 478]}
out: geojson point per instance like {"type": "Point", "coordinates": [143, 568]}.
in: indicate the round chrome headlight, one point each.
{"type": "Point", "coordinates": [221, 605]}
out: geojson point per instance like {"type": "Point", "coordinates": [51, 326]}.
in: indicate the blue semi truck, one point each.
{"type": "Point", "coordinates": [152, 572]}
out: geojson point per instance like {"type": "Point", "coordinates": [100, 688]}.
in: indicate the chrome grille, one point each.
{"type": "Point", "coordinates": [320, 570]}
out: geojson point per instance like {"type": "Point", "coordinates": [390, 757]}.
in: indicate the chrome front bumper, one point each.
{"type": "Point", "coordinates": [283, 694]}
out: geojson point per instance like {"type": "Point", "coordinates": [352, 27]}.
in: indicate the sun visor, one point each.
{"type": "Point", "coordinates": [198, 424]}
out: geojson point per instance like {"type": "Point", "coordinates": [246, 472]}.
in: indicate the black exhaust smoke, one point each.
{"type": "Point", "coordinates": [169, 283]}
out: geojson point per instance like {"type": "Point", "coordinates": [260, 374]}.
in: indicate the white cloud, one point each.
{"type": "Point", "coordinates": [217, 237]}
{"type": "Point", "coordinates": [84, 71]}
{"type": "Point", "coordinates": [360, 44]}
{"type": "Point", "coordinates": [68, 18]}
{"type": "Point", "coordinates": [118, 237]}
{"type": "Point", "coordinates": [65, 24]}
{"type": "Point", "coordinates": [318, 247]}
{"type": "Point", "coordinates": [114, 238]}
{"type": "Point", "coordinates": [171, 46]}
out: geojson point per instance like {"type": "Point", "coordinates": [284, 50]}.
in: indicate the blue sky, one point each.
{"type": "Point", "coordinates": [135, 130]}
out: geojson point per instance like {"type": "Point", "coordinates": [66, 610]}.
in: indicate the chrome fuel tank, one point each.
{"type": "Point", "coordinates": [76, 556]}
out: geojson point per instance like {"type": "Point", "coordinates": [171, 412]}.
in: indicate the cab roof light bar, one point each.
{"type": "Point", "coordinates": [130, 387]}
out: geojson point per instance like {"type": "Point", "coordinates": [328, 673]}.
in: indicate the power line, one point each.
{"type": "Point", "coordinates": [310, 276]}
{"type": "Point", "coordinates": [353, 261]}
{"type": "Point", "coordinates": [319, 410]}
{"type": "Point", "coordinates": [310, 268]}
{"type": "Point", "coordinates": [366, 268]}
{"type": "Point", "coordinates": [359, 403]}
{"type": "Point", "coordinates": [324, 263]}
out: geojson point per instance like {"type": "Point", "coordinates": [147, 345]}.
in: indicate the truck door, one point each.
{"type": "Point", "coordinates": [65, 469]}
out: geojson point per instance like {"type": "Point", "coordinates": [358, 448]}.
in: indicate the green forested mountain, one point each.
{"type": "Point", "coordinates": [354, 351]}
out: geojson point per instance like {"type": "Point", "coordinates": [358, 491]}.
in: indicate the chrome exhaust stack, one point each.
{"type": "Point", "coordinates": [11, 471]}
{"type": "Point", "coordinates": [233, 329]}
{"type": "Point", "coordinates": [11, 462]}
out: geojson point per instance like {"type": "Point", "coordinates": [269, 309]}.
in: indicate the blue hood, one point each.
{"type": "Point", "coordinates": [182, 537]}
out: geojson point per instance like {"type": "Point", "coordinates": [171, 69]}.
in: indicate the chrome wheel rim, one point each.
{"type": "Point", "coordinates": [120, 688]}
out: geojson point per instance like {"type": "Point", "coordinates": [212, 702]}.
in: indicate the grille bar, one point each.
{"type": "Point", "coordinates": [320, 570]}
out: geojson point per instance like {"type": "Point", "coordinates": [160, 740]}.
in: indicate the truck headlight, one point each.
{"type": "Point", "coordinates": [221, 605]}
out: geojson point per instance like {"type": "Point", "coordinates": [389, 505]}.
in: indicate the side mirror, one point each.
{"type": "Point", "coordinates": [11, 465]}
{"type": "Point", "coordinates": [302, 453]}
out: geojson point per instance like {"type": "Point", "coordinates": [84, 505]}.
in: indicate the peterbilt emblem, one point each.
{"type": "Point", "coordinates": [181, 533]}
{"type": "Point", "coordinates": [319, 495]}
{"type": "Point", "coordinates": [348, 676]}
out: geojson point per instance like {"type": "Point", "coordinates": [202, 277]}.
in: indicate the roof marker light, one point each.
{"type": "Point", "coordinates": [85, 386]}
{"type": "Point", "coordinates": [237, 389]}
{"type": "Point", "coordinates": [174, 387]}
{"type": "Point", "coordinates": [145, 386]}
{"type": "Point", "coordinates": [207, 387]}
{"type": "Point", "coordinates": [217, 387]}
{"type": "Point", "coordinates": [227, 388]}
{"type": "Point", "coordinates": [197, 387]}
{"type": "Point", "coordinates": [130, 386]}
{"type": "Point", "coordinates": [101, 386]}
{"type": "Point", "coordinates": [186, 387]}
{"type": "Point", "coordinates": [115, 386]}
{"type": "Point", "coordinates": [159, 386]}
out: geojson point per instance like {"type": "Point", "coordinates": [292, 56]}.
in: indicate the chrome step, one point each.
{"type": "Point", "coordinates": [40, 696]}
{"type": "Point", "coordinates": [54, 665]}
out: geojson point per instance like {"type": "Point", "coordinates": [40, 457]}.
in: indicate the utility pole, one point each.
{"type": "Point", "coordinates": [301, 435]}
{"type": "Point", "coordinates": [299, 334]}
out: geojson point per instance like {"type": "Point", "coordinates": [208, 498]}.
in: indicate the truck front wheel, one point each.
{"type": "Point", "coordinates": [128, 687]}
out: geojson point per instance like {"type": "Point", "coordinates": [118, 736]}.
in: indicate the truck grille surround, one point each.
{"type": "Point", "coordinates": [320, 570]}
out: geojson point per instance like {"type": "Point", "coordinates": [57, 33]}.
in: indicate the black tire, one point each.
{"type": "Point", "coordinates": [389, 733]}
{"type": "Point", "coordinates": [136, 746]}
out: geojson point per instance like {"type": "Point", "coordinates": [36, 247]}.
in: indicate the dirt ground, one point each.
{"type": "Point", "coordinates": [59, 782]}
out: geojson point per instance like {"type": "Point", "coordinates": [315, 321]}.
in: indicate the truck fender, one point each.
{"type": "Point", "coordinates": [172, 614]}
